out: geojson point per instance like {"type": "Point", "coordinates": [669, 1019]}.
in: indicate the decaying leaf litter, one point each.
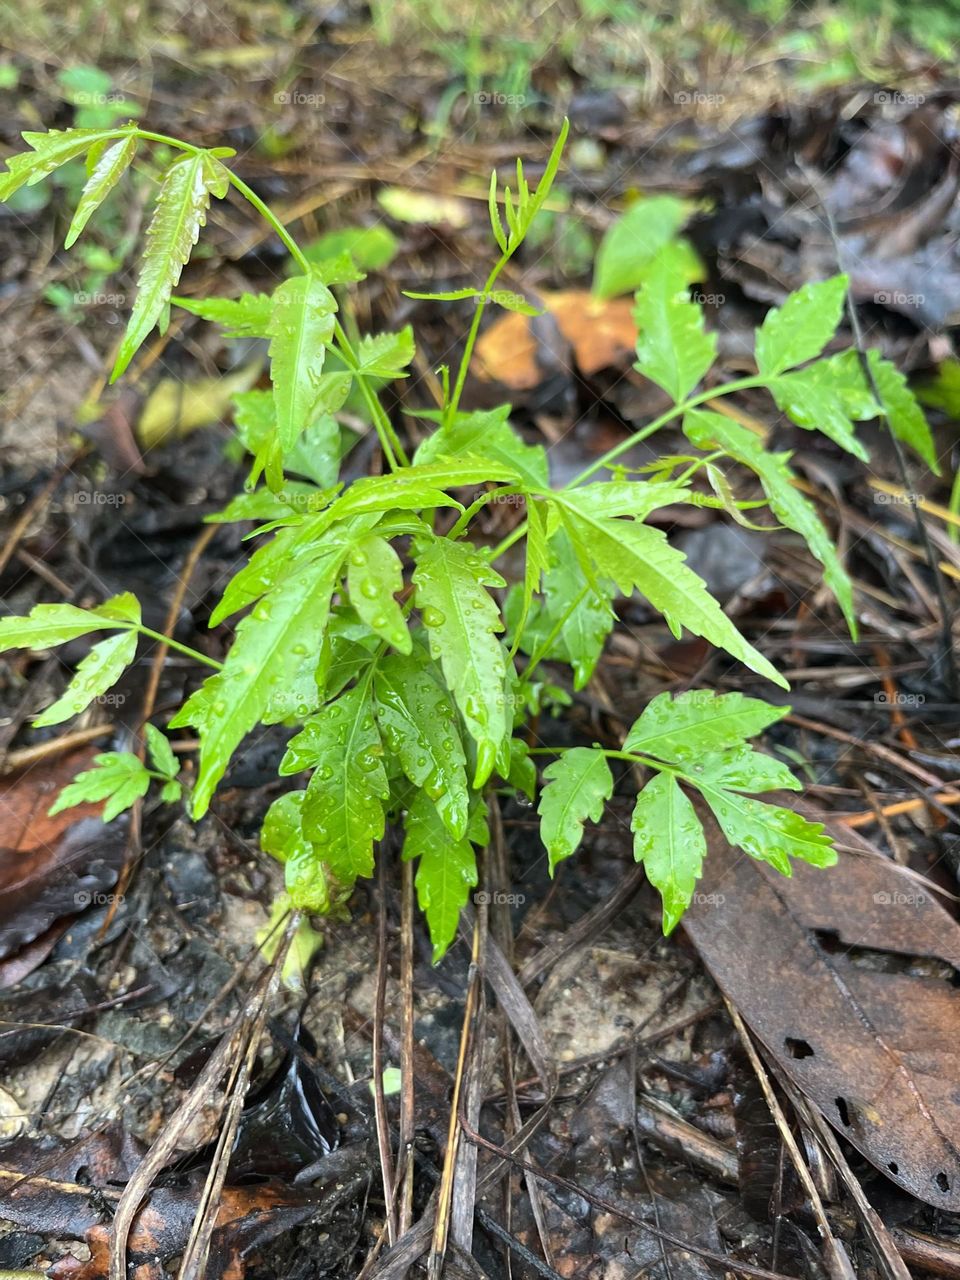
{"type": "Point", "coordinates": [608, 1115]}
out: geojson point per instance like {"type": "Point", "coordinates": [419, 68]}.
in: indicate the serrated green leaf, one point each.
{"type": "Point", "coordinates": [816, 407]}
{"type": "Point", "coordinates": [631, 244]}
{"type": "Point", "coordinates": [741, 768]}
{"type": "Point", "coordinates": [107, 172]}
{"type": "Point", "coordinates": [522, 773]}
{"type": "Point", "coordinates": [96, 673]}
{"type": "Point", "coordinates": [799, 330]}
{"type": "Point", "coordinates": [316, 453]}
{"type": "Point", "coordinates": [907, 420]}
{"type": "Point", "coordinates": [386, 355]}
{"type": "Point", "coordinates": [48, 152]}
{"type": "Point", "coordinates": [248, 316]}
{"type": "Point", "coordinates": [637, 498]}
{"type": "Point", "coordinates": [348, 648]}
{"type": "Point", "coordinates": [374, 575]}
{"type": "Point", "coordinates": [118, 777]}
{"type": "Point", "coordinates": [124, 607]}
{"type": "Point", "coordinates": [343, 808]}
{"type": "Point", "coordinates": [710, 430]}
{"type": "Point", "coordinates": [578, 786]}
{"type": "Point", "coordinates": [161, 752]}
{"type": "Point", "coordinates": [688, 725]}
{"type": "Point", "coordinates": [171, 791]}
{"type": "Point", "coordinates": [768, 832]}
{"type": "Point", "coordinates": [47, 625]}
{"type": "Point", "coordinates": [305, 875]}
{"type": "Point", "coordinates": [578, 619]}
{"type": "Point", "coordinates": [446, 872]}
{"type": "Point", "coordinates": [511, 301]}
{"type": "Point", "coordinates": [301, 327]}
{"type": "Point", "coordinates": [496, 225]}
{"type": "Point", "coordinates": [418, 724]}
{"type": "Point", "coordinates": [179, 213]}
{"type": "Point", "coordinates": [448, 295]}
{"type": "Point", "coordinates": [371, 248]}
{"type": "Point", "coordinates": [487, 433]}
{"type": "Point", "coordinates": [843, 375]}
{"type": "Point", "coordinates": [638, 557]}
{"type": "Point", "coordinates": [668, 839]}
{"type": "Point", "coordinates": [673, 348]}
{"type": "Point", "coordinates": [461, 620]}
{"type": "Point", "coordinates": [268, 669]}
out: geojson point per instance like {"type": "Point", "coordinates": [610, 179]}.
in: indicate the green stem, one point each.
{"type": "Point", "coordinates": [741, 384]}
{"type": "Point", "coordinates": [450, 411]}
{"type": "Point", "coordinates": [181, 648]}
{"type": "Point", "coordinates": [543, 649]}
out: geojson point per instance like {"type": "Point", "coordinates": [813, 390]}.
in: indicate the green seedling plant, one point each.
{"type": "Point", "coordinates": [370, 620]}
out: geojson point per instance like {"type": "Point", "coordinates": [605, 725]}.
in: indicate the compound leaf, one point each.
{"type": "Point", "coordinates": [668, 839]}
{"type": "Point", "coordinates": [48, 152]}
{"type": "Point", "coordinates": [179, 213]}
{"type": "Point", "coordinates": [374, 574]}
{"type": "Point", "coordinates": [800, 329]}
{"type": "Point", "coordinates": [578, 786]}
{"type": "Point", "coordinates": [462, 618]}
{"type": "Point", "coordinates": [276, 647]}
{"type": "Point", "coordinates": [118, 777]}
{"type": "Point", "coordinates": [708, 430]}
{"type": "Point", "coordinates": [418, 723]}
{"type": "Point", "coordinates": [95, 674]}
{"type": "Point", "coordinates": [685, 726]}
{"type": "Point", "coordinates": [343, 807]}
{"type": "Point", "coordinates": [446, 873]}
{"type": "Point", "coordinates": [673, 348]}
{"type": "Point", "coordinates": [638, 557]}
{"type": "Point", "coordinates": [301, 326]}
{"type": "Point", "coordinates": [107, 172]}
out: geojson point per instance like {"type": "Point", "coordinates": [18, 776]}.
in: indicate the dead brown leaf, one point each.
{"type": "Point", "coordinates": [600, 334]}
{"type": "Point", "coordinates": [847, 976]}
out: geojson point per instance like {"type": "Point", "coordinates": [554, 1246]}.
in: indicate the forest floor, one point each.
{"type": "Point", "coordinates": [772, 1091]}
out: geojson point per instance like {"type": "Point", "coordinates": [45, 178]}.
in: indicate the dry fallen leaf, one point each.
{"type": "Point", "coordinates": [601, 335]}
{"type": "Point", "coordinates": [51, 867]}
{"type": "Point", "coordinates": [847, 976]}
